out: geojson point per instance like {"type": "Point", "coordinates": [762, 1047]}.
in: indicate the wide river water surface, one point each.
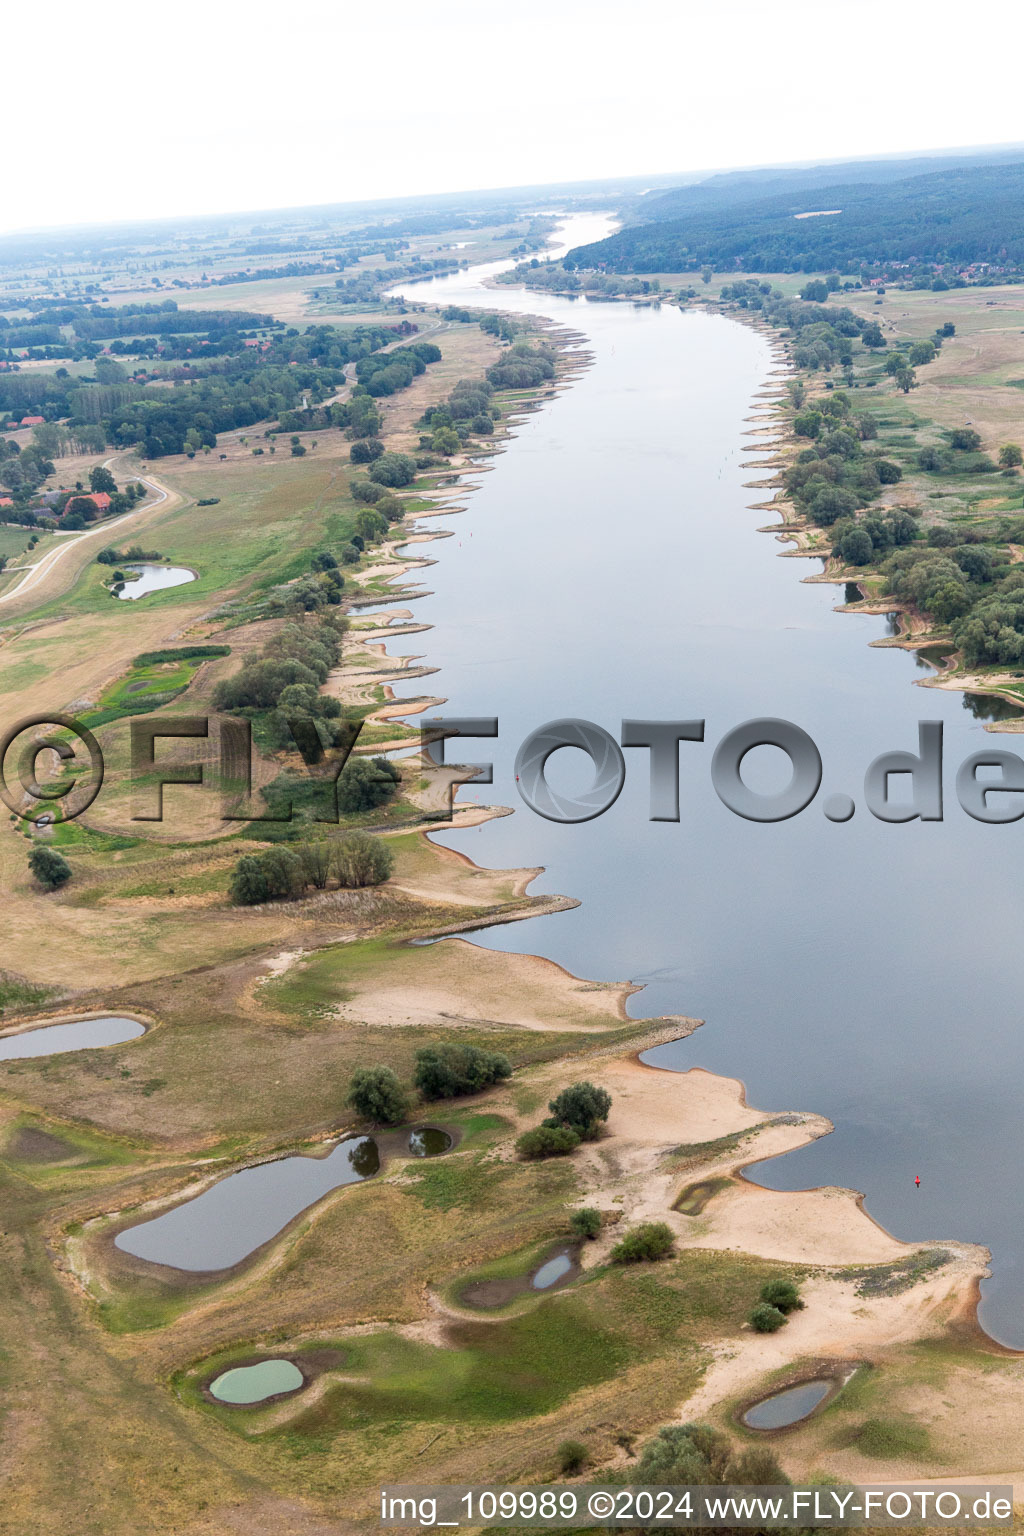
{"type": "Point", "coordinates": [610, 567]}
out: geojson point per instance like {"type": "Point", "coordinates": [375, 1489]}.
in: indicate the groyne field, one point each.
{"type": "Point", "coordinates": [272, 961]}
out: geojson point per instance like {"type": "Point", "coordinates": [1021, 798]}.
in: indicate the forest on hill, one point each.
{"type": "Point", "coordinates": [960, 217]}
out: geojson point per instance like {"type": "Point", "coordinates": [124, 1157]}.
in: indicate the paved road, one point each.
{"type": "Point", "coordinates": [43, 581]}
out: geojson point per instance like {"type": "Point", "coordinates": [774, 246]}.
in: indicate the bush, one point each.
{"type": "Point", "coordinates": [269, 876]}
{"type": "Point", "coordinates": [546, 1141]}
{"type": "Point", "coordinates": [767, 1319]}
{"type": "Point", "coordinates": [651, 1240]}
{"type": "Point", "coordinates": [586, 1222]}
{"type": "Point", "coordinates": [50, 868]}
{"type": "Point", "coordinates": [572, 1455]}
{"type": "Point", "coordinates": [365, 449]}
{"type": "Point", "coordinates": [697, 1456]}
{"type": "Point", "coordinates": [377, 1095]}
{"type": "Point", "coordinates": [581, 1108]}
{"type": "Point", "coordinates": [449, 1070]}
{"type": "Point", "coordinates": [781, 1294]}
{"type": "Point", "coordinates": [394, 469]}
{"type": "Point", "coordinates": [359, 859]}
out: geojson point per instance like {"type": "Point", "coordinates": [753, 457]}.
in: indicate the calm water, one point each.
{"type": "Point", "coordinates": [787, 1407]}
{"type": "Point", "coordinates": [154, 578]}
{"type": "Point", "coordinates": [610, 567]}
{"type": "Point", "coordinates": [429, 1141]}
{"type": "Point", "coordinates": [255, 1383]}
{"type": "Point", "coordinates": [233, 1217]}
{"type": "Point", "coordinates": [83, 1034]}
{"type": "Point", "coordinates": [553, 1270]}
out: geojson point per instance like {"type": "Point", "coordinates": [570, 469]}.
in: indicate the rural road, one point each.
{"type": "Point", "coordinates": [46, 579]}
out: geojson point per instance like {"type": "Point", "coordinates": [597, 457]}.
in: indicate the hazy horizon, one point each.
{"type": "Point", "coordinates": [144, 118]}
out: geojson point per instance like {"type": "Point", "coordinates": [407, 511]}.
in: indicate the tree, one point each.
{"type": "Point", "coordinates": [363, 784]}
{"type": "Point", "coordinates": [316, 861]}
{"type": "Point", "coordinates": [100, 480]}
{"type": "Point", "coordinates": [1010, 456]}
{"type": "Point", "coordinates": [377, 1095]}
{"type": "Point", "coordinates": [923, 352]}
{"type": "Point", "coordinates": [767, 1319]}
{"type": "Point", "coordinates": [365, 450]}
{"type": "Point", "coordinates": [50, 868]}
{"type": "Point", "coordinates": [871, 335]}
{"type": "Point", "coordinates": [448, 1070]}
{"type": "Point", "coordinates": [581, 1107]}
{"type": "Point", "coordinates": [888, 472]}
{"type": "Point", "coordinates": [815, 292]}
{"type": "Point", "coordinates": [394, 469]}
{"type": "Point", "coordinates": [706, 274]}
{"type": "Point", "coordinates": [546, 1141]}
{"type": "Point", "coordinates": [446, 440]}
{"type": "Point", "coordinates": [371, 525]}
{"type": "Point", "coordinates": [965, 439]}
{"type": "Point", "coordinates": [586, 1222]}
{"type": "Point", "coordinates": [359, 860]}
{"type": "Point", "coordinates": [80, 506]}
{"type": "Point", "coordinates": [647, 1242]}
{"type": "Point", "coordinates": [905, 379]}
{"type": "Point", "coordinates": [782, 1294]}
{"type": "Point", "coordinates": [856, 547]}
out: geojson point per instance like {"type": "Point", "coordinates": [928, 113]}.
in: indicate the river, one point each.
{"type": "Point", "coordinates": [610, 567]}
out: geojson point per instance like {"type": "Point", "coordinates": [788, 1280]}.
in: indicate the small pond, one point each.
{"type": "Point", "coordinates": [255, 1383]}
{"type": "Point", "coordinates": [429, 1141]}
{"type": "Point", "coordinates": [152, 578]}
{"type": "Point", "coordinates": [82, 1034]}
{"type": "Point", "coordinates": [550, 1271]}
{"type": "Point", "coordinates": [788, 1407]}
{"type": "Point", "coordinates": [240, 1213]}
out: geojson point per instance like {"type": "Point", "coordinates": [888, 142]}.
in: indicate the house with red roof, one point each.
{"type": "Point", "coordinates": [32, 421]}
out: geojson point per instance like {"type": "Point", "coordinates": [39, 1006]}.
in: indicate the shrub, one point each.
{"type": "Point", "coordinates": [586, 1222]}
{"type": "Point", "coordinates": [449, 1070]}
{"type": "Point", "coordinates": [651, 1240]}
{"type": "Point", "coordinates": [377, 1095]}
{"type": "Point", "coordinates": [269, 876]}
{"type": "Point", "coordinates": [965, 439]}
{"type": "Point", "coordinates": [767, 1319]}
{"type": "Point", "coordinates": [359, 859]}
{"type": "Point", "coordinates": [50, 868]}
{"type": "Point", "coordinates": [782, 1294]}
{"type": "Point", "coordinates": [581, 1107]}
{"type": "Point", "coordinates": [695, 1456]}
{"type": "Point", "coordinates": [546, 1141]}
{"type": "Point", "coordinates": [572, 1455]}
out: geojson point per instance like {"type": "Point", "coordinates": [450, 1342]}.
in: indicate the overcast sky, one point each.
{"type": "Point", "coordinates": [126, 110]}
